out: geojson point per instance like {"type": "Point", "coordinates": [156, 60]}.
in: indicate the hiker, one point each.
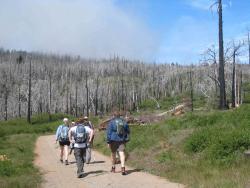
{"type": "Point", "coordinates": [88, 123]}
{"type": "Point", "coordinates": [71, 144]}
{"type": "Point", "coordinates": [80, 135]}
{"type": "Point", "coordinates": [62, 137]}
{"type": "Point", "coordinates": [117, 136]}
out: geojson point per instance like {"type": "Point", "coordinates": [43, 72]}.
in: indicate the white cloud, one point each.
{"type": "Point", "coordinates": [91, 28]}
{"type": "Point", "coordinates": [201, 4]}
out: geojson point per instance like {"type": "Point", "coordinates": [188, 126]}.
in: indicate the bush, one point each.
{"type": "Point", "coordinates": [219, 144]}
{"type": "Point", "coordinates": [7, 168]}
{"type": "Point", "coordinates": [199, 141]}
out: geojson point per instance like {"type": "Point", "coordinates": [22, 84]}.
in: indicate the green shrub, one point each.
{"type": "Point", "coordinates": [220, 144]}
{"type": "Point", "coordinates": [7, 168]}
{"type": "Point", "coordinates": [199, 141]}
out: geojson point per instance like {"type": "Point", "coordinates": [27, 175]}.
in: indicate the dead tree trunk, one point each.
{"type": "Point", "coordinates": [87, 93]}
{"type": "Point", "coordinates": [248, 41]}
{"type": "Point", "coordinates": [234, 82]}
{"type": "Point", "coordinates": [50, 95]}
{"type": "Point", "coordinates": [191, 90]}
{"type": "Point", "coordinates": [29, 95]}
{"type": "Point", "coordinates": [96, 95]}
{"type": "Point", "coordinates": [6, 94]}
{"type": "Point", "coordinates": [222, 86]}
{"type": "Point", "coordinates": [76, 112]}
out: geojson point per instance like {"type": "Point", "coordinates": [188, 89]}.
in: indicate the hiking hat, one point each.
{"type": "Point", "coordinates": [85, 117]}
{"type": "Point", "coordinates": [65, 120]}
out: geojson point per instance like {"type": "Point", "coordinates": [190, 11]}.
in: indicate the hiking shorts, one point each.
{"type": "Point", "coordinates": [65, 143]}
{"type": "Point", "coordinates": [117, 146]}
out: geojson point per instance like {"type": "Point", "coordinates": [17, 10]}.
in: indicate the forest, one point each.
{"type": "Point", "coordinates": [34, 83]}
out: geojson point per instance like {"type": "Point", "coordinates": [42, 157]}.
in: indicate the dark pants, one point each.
{"type": "Point", "coordinates": [80, 154]}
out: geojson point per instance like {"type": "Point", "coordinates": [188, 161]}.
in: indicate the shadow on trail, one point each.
{"type": "Point", "coordinates": [134, 170]}
{"type": "Point", "coordinates": [94, 162]}
{"type": "Point", "coordinates": [97, 173]}
{"type": "Point", "coordinates": [130, 171]}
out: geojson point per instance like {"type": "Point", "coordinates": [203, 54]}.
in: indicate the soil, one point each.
{"type": "Point", "coordinates": [97, 173]}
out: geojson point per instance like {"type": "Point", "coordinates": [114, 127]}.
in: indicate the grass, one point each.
{"type": "Point", "coordinates": [17, 142]}
{"type": "Point", "coordinates": [201, 149]}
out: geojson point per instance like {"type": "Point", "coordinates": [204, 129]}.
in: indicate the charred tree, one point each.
{"type": "Point", "coordinates": [29, 94]}
{"type": "Point", "coordinates": [222, 103]}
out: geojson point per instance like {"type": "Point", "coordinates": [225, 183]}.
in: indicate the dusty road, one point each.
{"type": "Point", "coordinates": [97, 175]}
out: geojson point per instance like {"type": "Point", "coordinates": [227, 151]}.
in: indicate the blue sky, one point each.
{"type": "Point", "coordinates": [150, 30]}
{"type": "Point", "coordinates": [189, 27]}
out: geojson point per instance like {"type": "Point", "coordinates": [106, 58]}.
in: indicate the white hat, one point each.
{"type": "Point", "coordinates": [65, 119]}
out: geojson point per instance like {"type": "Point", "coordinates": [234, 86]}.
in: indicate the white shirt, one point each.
{"type": "Point", "coordinates": [73, 131]}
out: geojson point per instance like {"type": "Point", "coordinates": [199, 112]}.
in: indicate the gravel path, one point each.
{"type": "Point", "coordinates": [97, 175]}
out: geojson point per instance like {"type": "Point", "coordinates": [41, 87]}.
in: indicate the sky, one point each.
{"type": "Point", "coordinates": [161, 31]}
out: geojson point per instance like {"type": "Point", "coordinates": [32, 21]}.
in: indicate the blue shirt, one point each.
{"type": "Point", "coordinates": [58, 131]}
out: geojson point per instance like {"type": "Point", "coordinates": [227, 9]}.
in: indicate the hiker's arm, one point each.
{"type": "Point", "coordinates": [57, 133]}
{"type": "Point", "coordinates": [93, 128]}
{"type": "Point", "coordinates": [91, 133]}
{"type": "Point", "coordinates": [70, 136]}
{"type": "Point", "coordinates": [127, 128]}
{"type": "Point", "coordinates": [109, 132]}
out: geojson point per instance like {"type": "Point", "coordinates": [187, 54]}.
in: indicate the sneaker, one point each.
{"type": "Point", "coordinates": [123, 171]}
{"type": "Point", "coordinates": [112, 169]}
{"type": "Point", "coordinates": [66, 162]}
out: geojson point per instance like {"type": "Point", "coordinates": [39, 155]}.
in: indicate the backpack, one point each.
{"type": "Point", "coordinates": [80, 134]}
{"type": "Point", "coordinates": [119, 123]}
{"type": "Point", "coordinates": [63, 136]}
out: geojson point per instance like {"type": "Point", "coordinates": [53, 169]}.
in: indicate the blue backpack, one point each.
{"type": "Point", "coordinates": [120, 124]}
{"type": "Point", "coordinates": [63, 136]}
{"type": "Point", "coordinates": [80, 134]}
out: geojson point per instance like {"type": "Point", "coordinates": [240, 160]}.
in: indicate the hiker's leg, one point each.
{"type": "Point", "coordinates": [122, 158]}
{"type": "Point", "coordinates": [61, 152]}
{"type": "Point", "coordinates": [88, 155]}
{"type": "Point", "coordinates": [66, 152]}
{"type": "Point", "coordinates": [113, 147]}
{"type": "Point", "coordinates": [113, 158]}
{"type": "Point", "coordinates": [79, 160]}
{"type": "Point", "coordinates": [83, 155]}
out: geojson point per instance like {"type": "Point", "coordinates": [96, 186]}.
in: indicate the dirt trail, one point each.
{"type": "Point", "coordinates": [97, 175]}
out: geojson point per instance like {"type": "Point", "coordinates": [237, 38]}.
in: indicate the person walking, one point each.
{"type": "Point", "coordinates": [71, 144]}
{"type": "Point", "coordinates": [117, 135]}
{"type": "Point", "coordinates": [88, 123]}
{"type": "Point", "coordinates": [80, 135]}
{"type": "Point", "coordinates": [62, 137]}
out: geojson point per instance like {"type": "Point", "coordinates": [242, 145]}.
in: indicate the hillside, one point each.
{"type": "Point", "coordinates": [200, 149]}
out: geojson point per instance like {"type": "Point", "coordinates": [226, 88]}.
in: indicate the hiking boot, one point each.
{"type": "Point", "coordinates": [123, 171]}
{"type": "Point", "coordinates": [80, 175]}
{"type": "Point", "coordinates": [66, 162]}
{"type": "Point", "coordinates": [112, 169]}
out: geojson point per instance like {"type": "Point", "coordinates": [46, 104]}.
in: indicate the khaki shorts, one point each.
{"type": "Point", "coordinates": [117, 146]}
